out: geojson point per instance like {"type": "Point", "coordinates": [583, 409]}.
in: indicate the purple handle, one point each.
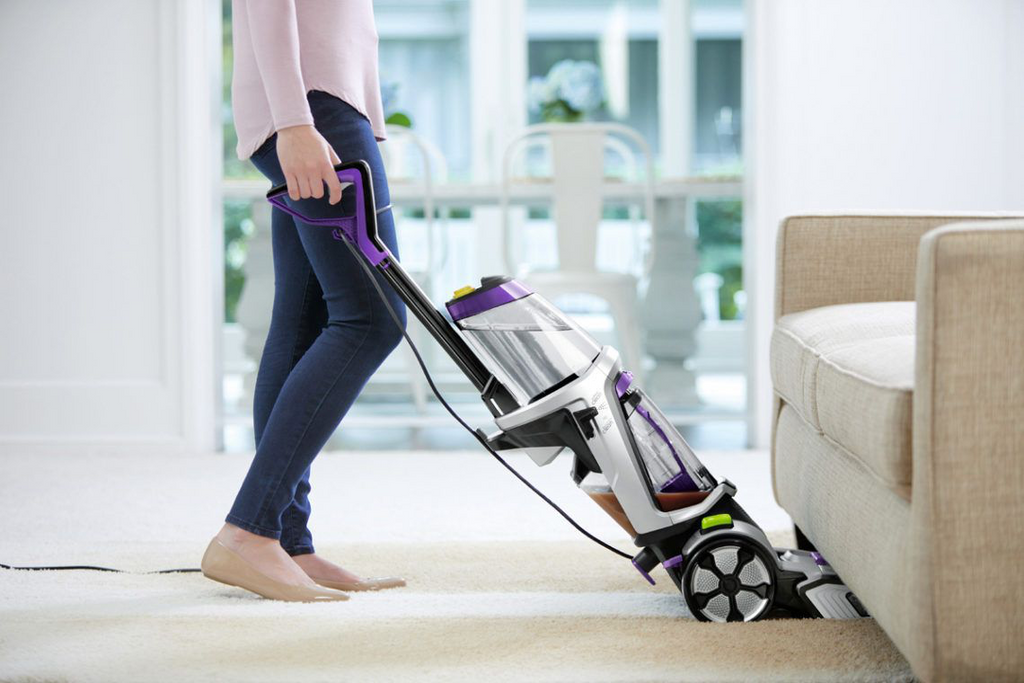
{"type": "Point", "coordinates": [351, 228]}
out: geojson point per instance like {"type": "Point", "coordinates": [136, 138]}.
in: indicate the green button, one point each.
{"type": "Point", "coordinates": [716, 520]}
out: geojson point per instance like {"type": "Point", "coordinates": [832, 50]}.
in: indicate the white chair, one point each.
{"type": "Point", "coordinates": [433, 169]}
{"type": "Point", "coordinates": [578, 178]}
{"type": "Point", "coordinates": [410, 158]}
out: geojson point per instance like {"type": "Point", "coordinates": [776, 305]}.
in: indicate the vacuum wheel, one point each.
{"type": "Point", "coordinates": [729, 579]}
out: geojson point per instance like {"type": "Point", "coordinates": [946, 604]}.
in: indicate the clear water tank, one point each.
{"type": "Point", "coordinates": [527, 343]}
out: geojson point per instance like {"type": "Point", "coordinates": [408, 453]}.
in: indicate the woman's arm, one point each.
{"type": "Point", "coordinates": [306, 159]}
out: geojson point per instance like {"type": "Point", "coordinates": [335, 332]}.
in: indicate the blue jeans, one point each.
{"type": "Point", "coordinates": [329, 331]}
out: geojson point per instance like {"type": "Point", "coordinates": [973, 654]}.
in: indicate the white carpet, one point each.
{"type": "Point", "coordinates": [500, 586]}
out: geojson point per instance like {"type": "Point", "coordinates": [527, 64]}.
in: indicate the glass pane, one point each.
{"type": "Point", "coordinates": [695, 340]}
{"type": "Point", "coordinates": [238, 227]}
{"type": "Point", "coordinates": [717, 139]}
{"type": "Point", "coordinates": [425, 70]}
{"type": "Point", "coordinates": [428, 42]}
{"type": "Point", "coordinates": [619, 39]}
{"type": "Point", "coordinates": [720, 245]}
{"type": "Point", "coordinates": [720, 361]}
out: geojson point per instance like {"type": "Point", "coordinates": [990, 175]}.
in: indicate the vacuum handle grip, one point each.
{"type": "Point", "coordinates": [360, 228]}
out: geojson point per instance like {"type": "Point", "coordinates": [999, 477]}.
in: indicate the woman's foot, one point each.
{"type": "Point", "coordinates": [319, 569]}
{"type": "Point", "coordinates": [331, 575]}
{"type": "Point", "coordinates": [265, 555]}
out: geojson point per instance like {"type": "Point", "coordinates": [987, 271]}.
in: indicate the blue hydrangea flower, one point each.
{"type": "Point", "coordinates": [539, 92]}
{"type": "Point", "coordinates": [576, 84]}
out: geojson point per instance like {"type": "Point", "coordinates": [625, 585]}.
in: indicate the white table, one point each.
{"type": "Point", "coordinates": [484, 194]}
{"type": "Point", "coordinates": [670, 312]}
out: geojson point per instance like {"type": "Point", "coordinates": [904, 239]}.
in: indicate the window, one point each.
{"type": "Point", "coordinates": [427, 42]}
{"type": "Point", "coordinates": [620, 38]}
{"type": "Point", "coordinates": [430, 75]}
{"type": "Point", "coordinates": [717, 142]}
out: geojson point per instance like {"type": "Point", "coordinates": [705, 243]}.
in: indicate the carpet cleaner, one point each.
{"type": "Point", "coordinates": [551, 387]}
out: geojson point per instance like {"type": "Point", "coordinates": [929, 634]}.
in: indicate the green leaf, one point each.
{"type": "Point", "coordinates": [399, 119]}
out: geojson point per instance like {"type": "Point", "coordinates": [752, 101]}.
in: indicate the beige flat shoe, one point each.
{"type": "Point", "coordinates": [364, 585]}
{"type": "Point", "coordinates": [224, 565]}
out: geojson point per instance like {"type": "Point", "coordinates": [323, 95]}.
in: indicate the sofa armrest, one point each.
{"type": "Point", "coordinates": [968, 453]}
{"type": "Point", "coordinates": [823, 260]}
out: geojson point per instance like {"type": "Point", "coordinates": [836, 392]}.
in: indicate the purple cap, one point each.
{"type": "Point", "coordinates": [819, 560]}
{"type": "Point", "coordinates": [643, 573]}
{"type": "Point", "coordinates": [485, 299]}
{"type": "Point", "coordinates": [672, 562]}
{"type": "Point", "coordinates": [625, 379]}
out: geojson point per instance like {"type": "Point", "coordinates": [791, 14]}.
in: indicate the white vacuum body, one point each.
{"type": "Point", "coordinates": [627, 456]}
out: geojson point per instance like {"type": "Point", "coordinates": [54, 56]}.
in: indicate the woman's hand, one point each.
{"type": "Point", "coordinates": [308, 162]}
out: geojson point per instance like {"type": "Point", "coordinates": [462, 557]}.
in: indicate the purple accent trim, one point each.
{"type": "Point", "coordinates": [625, 379]}
{"type": "Point", "coordinates": [681, 483]}
{"type": "Point", "coordinates": [352, 228]}
{"type": "Point", "coordinates": [643, 573]}
{"type": "Point", "coordinates": [478, 302]}
{"type": "Point", "coordinates": [819, 560]}
{"type": "Point", "coordinates": [672, 562]}
{"type": "Point", "coordinates": [664, 437]}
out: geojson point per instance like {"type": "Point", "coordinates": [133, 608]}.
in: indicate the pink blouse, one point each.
{"type": "Point", "coordinates": [285, 48]}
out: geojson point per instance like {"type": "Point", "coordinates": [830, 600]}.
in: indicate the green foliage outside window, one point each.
{"type": "Point", "coordinates": [237, 214]}
{"type": "Point", "coordinates": [238, 227]}
{"type": "Point", "coordinates": [720, 244]}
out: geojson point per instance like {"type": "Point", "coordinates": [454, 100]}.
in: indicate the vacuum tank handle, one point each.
{"type": "Point", "coordinates": [360, 228]}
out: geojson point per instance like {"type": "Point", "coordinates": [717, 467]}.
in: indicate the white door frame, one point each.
{"type": "Point", "coordinates": [197, 40]}
{"type": "Point", "coordinates": [76, 377]}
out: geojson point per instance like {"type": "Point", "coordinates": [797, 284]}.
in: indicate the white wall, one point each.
{"type": "Point", "coordinates": [875, 105]}
{"type": "Point", "coordinates": [110, 223]}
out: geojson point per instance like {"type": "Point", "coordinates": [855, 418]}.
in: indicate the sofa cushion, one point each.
{"type": "Point", "coordinates": [848, 371]}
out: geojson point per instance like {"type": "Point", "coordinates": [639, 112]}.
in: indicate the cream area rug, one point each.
{"type": "Point", "coordinates": [500, 588]}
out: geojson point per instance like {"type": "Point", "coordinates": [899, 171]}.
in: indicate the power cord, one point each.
{"type": "Point", "coordinates": [458, 418]}
{"type": "Point", "coordinates": [440, 398]}
{"type": "Point", "coordinates": [92, 568]}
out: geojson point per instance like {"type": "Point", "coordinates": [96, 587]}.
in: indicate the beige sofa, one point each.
{"type": "Point", "coordinates": [897, 361]}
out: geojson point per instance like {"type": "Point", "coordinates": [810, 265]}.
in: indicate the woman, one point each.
{"type": "Point", "coordinates": [306, 94]}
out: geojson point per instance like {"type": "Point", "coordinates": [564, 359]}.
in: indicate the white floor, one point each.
{"type": "Point", "coordinates": [148, 512]}
{"type": "Point", "coordinates": [87, 501]}
{"type": "Point", "coordinates": [500, 586]}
